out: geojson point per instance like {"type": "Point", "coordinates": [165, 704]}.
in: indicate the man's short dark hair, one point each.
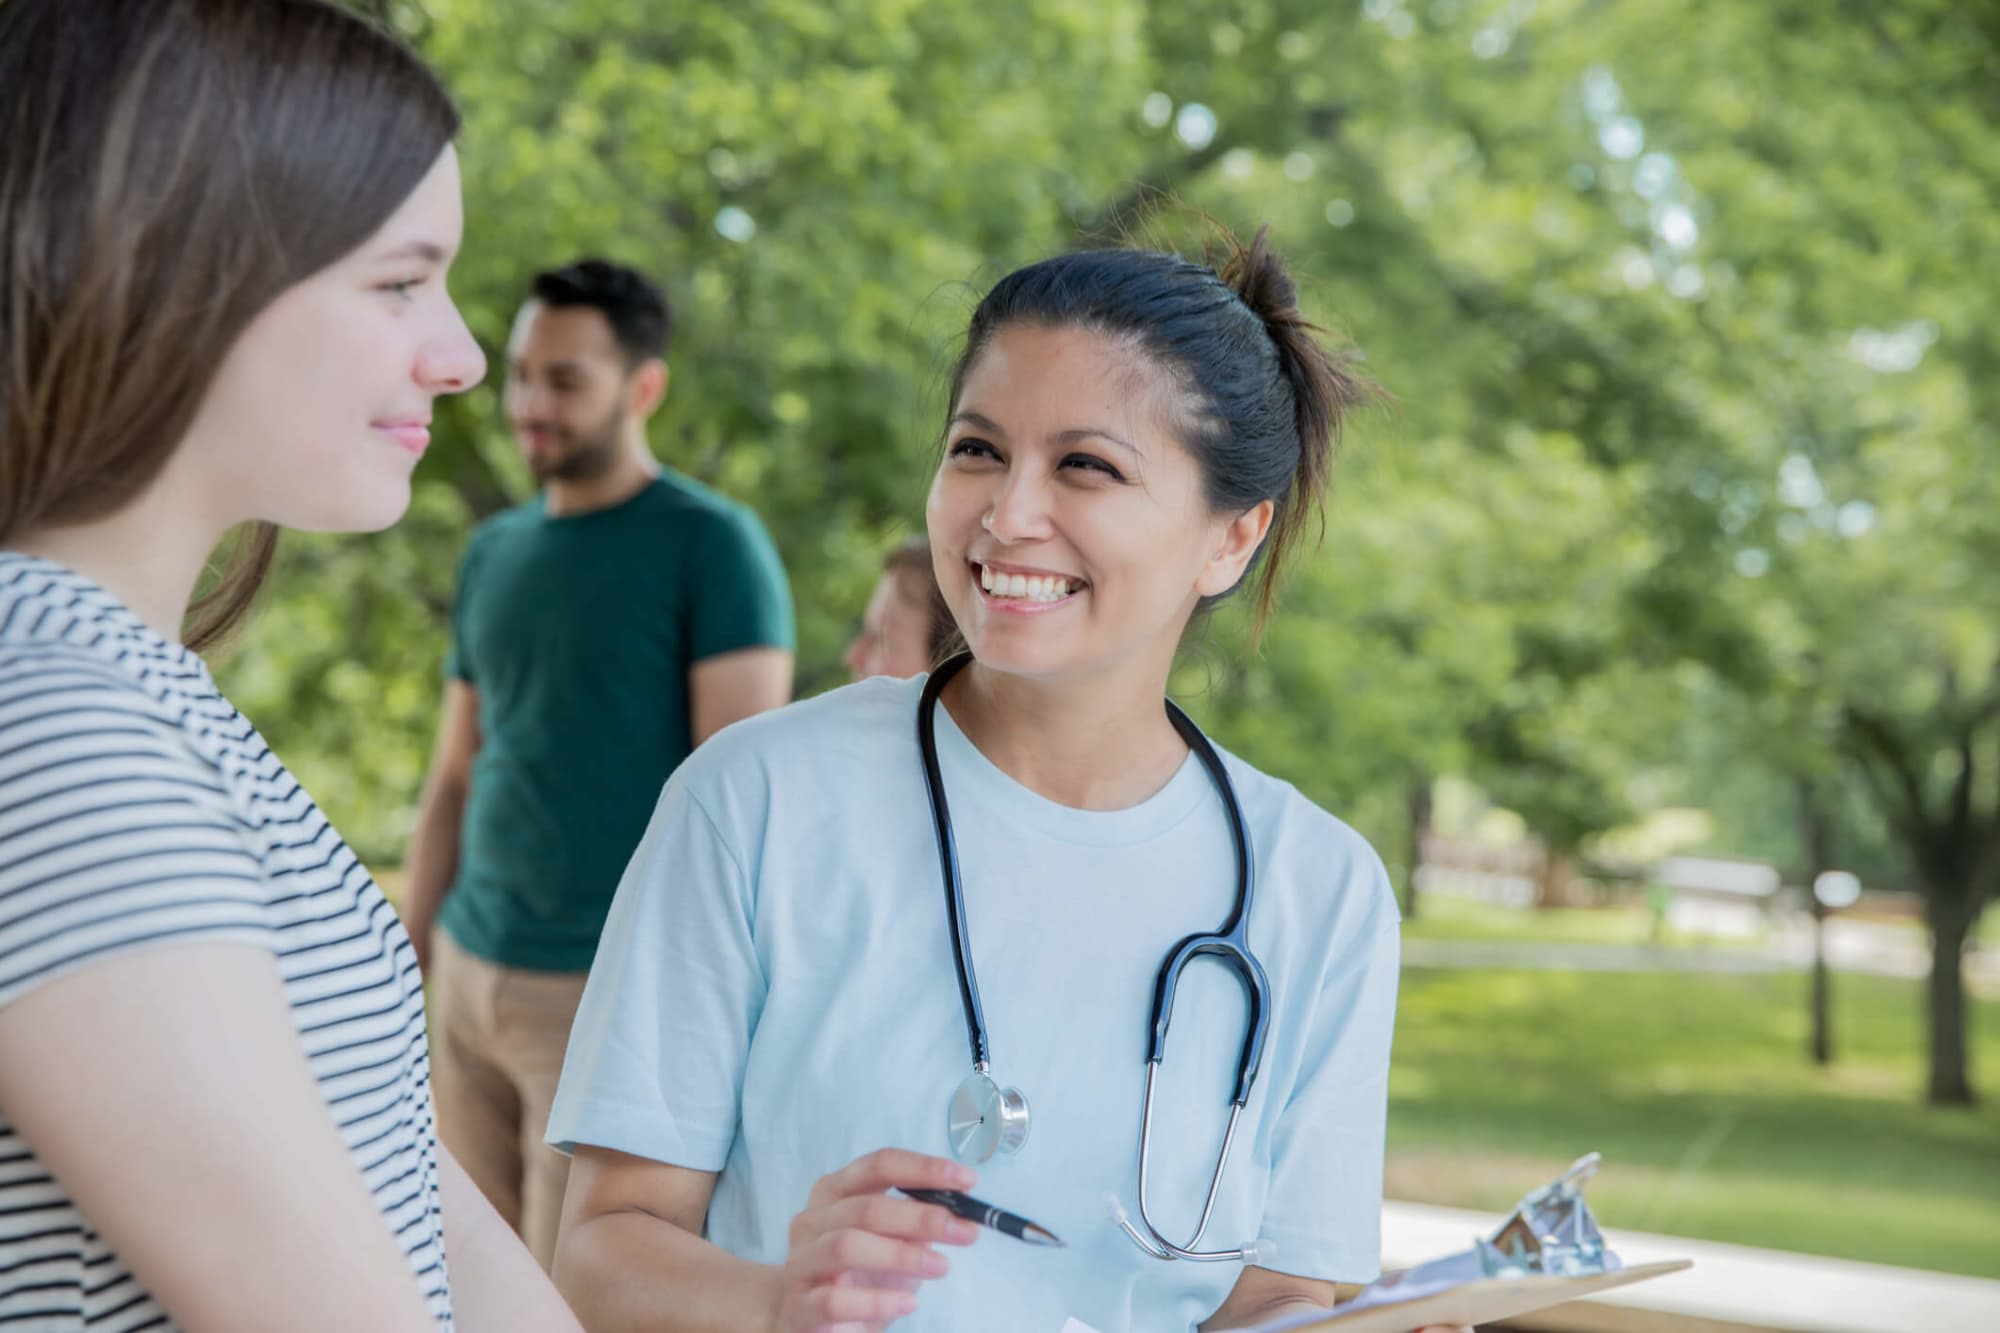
{"type": "Point", "coordinates": [635, 308]}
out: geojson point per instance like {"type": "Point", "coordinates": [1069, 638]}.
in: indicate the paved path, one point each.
{"type": "Point", "coordinates": [1851, 947]}
{"type": "Point", "coordinates": [1556, 956]}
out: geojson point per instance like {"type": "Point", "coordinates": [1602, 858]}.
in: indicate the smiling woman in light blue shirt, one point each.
{"type": "Point", "coordinates": [773, 1026]}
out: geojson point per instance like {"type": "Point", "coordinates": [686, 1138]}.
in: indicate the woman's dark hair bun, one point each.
{"type": "Point", "coordinates": [1325, 388]}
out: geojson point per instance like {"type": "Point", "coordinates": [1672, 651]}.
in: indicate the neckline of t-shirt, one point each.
{"type": "Point", "coordinates": [94, 613]}
{"type": "Point", "coordinates": [975, 786]}
{"type": "Point", "coordinates": [624, 506]}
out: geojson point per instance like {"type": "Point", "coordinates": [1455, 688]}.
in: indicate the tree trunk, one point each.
{"type": "Point", "coordinates": [1820, 1043]}
{"type": "Point", "coordinates": [1420, 828]}
{"type": "Point", "coordinates": [1951, 922]}
{"type": "Point", "coordinates": [1552, 885]}
{"type": "Point", "coordinates": [1816, 840]}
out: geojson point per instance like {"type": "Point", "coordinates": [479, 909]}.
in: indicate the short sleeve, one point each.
{"type": "Point", "coordinates": [457, 656]}
{"type": "Point", "coordinates": [114, 834]}
{"type": "Point", "coordinates": [1324, 1210]}
{"type": "Point", "coordinates": [741, 598]}
{"type": "Point", "coordinates": [657, 1051]}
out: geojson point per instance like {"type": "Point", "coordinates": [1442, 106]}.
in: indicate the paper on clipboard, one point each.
{"type": "Point", "coordinates": [1476, 1302]}
{"type": "Point", "coordinates": [1549, 1250]}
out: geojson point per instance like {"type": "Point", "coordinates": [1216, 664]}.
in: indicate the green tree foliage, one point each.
{"type": "Point", "coordinates": [1683, 313]}
{"type": "Point", "coordinates": [1727, 282]}
{"type": "Point", "coordinates": [1846, 351]}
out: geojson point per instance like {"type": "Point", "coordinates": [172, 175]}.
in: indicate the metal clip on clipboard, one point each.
{"type": "Point", "coordinates": [1549, 1250]}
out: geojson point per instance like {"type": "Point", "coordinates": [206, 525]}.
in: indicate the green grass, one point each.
{"type": "Point", "coordinates": [1712, 1123]}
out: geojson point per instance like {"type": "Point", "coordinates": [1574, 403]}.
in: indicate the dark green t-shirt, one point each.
{"type": "Point", "coordinates": [578, 633]}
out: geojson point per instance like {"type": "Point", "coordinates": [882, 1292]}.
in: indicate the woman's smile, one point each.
{"type": "Point", "coordinates": [1024, 590]}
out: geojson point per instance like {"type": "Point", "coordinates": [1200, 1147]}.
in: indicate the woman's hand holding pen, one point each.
{"type": "Point", "coordinates": [858, 1255]}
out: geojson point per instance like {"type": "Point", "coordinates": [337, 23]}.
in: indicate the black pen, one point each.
{"type": "Point", "coordinates": [985, 1214]}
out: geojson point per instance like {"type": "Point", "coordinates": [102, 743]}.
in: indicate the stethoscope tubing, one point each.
{"type": "Point", "coordinates": [1230, 945]}
{"type": "Point", "coordinates": [961, 943]}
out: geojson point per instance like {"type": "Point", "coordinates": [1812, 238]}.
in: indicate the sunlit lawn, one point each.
{"type": "Point", "coordinates": [1711, 1121]}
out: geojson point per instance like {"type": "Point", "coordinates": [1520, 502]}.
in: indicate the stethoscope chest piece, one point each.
{"type": "Point", "coordinates": [986, 1119]}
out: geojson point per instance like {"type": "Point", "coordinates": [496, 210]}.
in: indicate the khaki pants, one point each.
{"type": "Point", "coordinates": [497, 1040]}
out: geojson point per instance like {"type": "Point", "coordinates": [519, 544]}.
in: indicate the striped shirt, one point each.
{"type": "Point", "coordinates": [138, 808]}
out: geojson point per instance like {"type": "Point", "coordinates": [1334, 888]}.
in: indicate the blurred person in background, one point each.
{"type": "Point", "coordinates": [907, 628]}
{"type": "Point", "coordinates": [600, 632]}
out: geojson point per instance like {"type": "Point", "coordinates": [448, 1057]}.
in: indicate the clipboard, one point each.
{"type": "Point", "coordinates": [1476, 1302]}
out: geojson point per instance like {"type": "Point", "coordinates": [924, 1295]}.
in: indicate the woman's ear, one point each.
{"type": "Point", "coordinates": [1240, 538]}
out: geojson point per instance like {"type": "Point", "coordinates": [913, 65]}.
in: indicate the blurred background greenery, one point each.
{"type": "Point", "coordinates": [1686, 499]}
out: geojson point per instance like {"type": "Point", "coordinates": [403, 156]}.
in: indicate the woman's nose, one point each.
{"type": "Point", "coordinates": [1020, 510]}
{"type": "Point", "coordinates": [452, 362]}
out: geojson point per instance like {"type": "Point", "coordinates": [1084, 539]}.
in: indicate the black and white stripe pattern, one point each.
{"type": "Point", "coordinates": [137, 808]}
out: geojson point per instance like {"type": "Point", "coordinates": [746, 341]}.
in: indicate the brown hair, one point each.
{"type": "Point", "coordinates": [167, 169]}
{"type": "Point", "coordinates": [911, 563]}
{"type": "Point", "coordinates": [1263, 398]}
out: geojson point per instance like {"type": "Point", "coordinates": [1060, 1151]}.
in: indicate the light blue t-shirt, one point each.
{"type": "Point", "coordinates": [774, 996]}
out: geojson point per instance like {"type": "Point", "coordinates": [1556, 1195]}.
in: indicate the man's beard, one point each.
{"type": "Point", "coordinates": [590, 456]}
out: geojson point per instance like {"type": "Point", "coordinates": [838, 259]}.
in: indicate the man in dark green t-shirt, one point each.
{"type": "Point", "coordinates": [601, 631]}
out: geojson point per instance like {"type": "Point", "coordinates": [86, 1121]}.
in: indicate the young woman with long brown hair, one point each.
{"type": "Point", "coordinates": [224, 232]}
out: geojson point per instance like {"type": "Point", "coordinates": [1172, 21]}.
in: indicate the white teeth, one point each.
{"type": "Point", "coordinates": [1028, 587]}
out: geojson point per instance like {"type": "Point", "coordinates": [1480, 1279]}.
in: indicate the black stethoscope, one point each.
{"type": "Point", "coordinates": [986, 1118]}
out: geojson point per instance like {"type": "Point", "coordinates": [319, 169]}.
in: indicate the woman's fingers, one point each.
{"type": "Point", "coordinates": [886, 1215]}
{"type": "Point", "coordinates": [891, 1168]}
{"type": "Point", "coordinates": [858, 1254]}
{"type": "Point", "coordinates": [882, 1215]}
{"type": "Point", "coordinates": [852, 1307]}
{"type": "Point", "coordinates": [881, 1281]}
{"type": "Point", "coordinates": [850, 1250]}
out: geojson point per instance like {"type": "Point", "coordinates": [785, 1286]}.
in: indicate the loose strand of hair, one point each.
{"type": "Point", "coordinates": [237, 575]}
